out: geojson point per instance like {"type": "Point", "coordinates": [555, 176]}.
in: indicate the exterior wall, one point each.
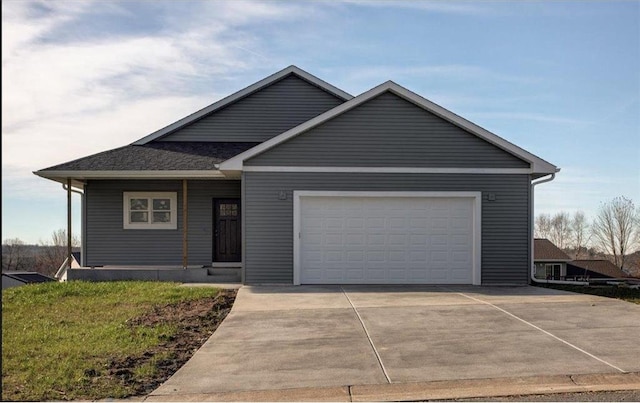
{"type": "Point", "coordinates": [262, 115]}
{"type": "Point", "coordinates": [388, 131]}
{"type": "Point", "coordinates": [107, 243]}
{"type": "Point", "coordinates": [268, 220]}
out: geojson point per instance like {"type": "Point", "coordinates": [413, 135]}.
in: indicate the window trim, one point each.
{"type": "Point", "coordinates": [173, 210]}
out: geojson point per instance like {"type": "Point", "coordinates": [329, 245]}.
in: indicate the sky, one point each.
{"type": "Point", "coordinates": [559, 79]}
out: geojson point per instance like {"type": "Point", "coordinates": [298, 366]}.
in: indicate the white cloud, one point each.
{"type": "Point", "coordinates": [438, 6]}
{"type": "Point", "coordinates": [71, 97]}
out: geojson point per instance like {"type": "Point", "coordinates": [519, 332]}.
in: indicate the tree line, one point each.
{"type": "Point", "coordinates": [45, 257]}
{"type": "Point", "coordinates": [614, 233]}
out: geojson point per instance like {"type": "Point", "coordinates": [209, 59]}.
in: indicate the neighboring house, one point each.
{"type": "Point", "coordinates": [18, 278]}
{"type": "Point", "coordinates": [298, 182]}
{"type": "Point", "coordinates": [592, 269]}
{"type": "Point", "coordinates": [549, 260]}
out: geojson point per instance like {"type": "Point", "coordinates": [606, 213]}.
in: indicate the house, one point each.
{"type": "Point", "coordinates": [550, 262]}
{"type": "Point", "coordinates": [293, 181]}
{"type": "Point", "coordinates": [593, 269]}
{"type": "Point", "coordinates": [18, 278]}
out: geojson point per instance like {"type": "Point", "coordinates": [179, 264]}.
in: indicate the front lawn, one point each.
{"type": "Point", "coordinates": [80, 340]}
{"type": "Point", "coordinates": [610, 291]}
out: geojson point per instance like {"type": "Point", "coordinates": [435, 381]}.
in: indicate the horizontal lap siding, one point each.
{"type": "Point", "coordinates": [262, 115]}
{"type": "Point", "coordinates": [388, 131]}
{"type": "Point", "coordinates": [107, 243]}
{"type": "Point", "coordinates": [269, 221]}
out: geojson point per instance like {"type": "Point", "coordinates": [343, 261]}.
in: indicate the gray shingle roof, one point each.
{"type": "Point", "coordinates": [157, 156]}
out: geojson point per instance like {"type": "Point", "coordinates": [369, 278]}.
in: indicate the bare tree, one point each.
{"type": "Point", "coordinates": [542, 227]}
{"type": "Point", "coordinates": [54, 252]}
{"type": "Point", "coordinates": [615, 228]}
{"type": "Point", "coordinates": [13, 254]}
{"type": "Point", "coordinates": [556, 228]}
{"type": "Point", "coordinates": [561, 229]}
{"type": "Point", "coordinates": [580, 234]}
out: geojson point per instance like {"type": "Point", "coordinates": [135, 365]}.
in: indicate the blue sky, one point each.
{"type": "Point", "coordinates": [560, 79]}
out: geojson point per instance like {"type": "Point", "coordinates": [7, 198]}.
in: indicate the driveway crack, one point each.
{"type": "Point", "coordinates": [366, 332]}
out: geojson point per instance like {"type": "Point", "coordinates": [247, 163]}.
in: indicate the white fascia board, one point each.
{"type": "Point", "coordinates": [83, 175]}
{"type": "Point", "coordinates": [538, 165]}
{"type": "Point", "coordinates": [241, 94]}
{"type": "Point", "coordinates": [398, 170]}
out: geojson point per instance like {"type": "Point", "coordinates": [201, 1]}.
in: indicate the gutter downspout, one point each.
{"type": "Point", "coordinates": [532, 225]}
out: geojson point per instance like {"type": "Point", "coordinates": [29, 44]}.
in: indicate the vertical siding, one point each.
{"type": "Point", "coordinates": [388, 131]}
{"type": "Point", "coordinates": [107, 243]}
{"type": "Point", "coordinates": [269, 221]}
{"type": "Point", "coordinates": [261, 115]}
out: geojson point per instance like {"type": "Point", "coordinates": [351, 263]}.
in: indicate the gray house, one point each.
{"type": "Point", "coordinates": [293, 181]}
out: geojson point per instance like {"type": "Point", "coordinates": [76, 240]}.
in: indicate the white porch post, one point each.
{"type": "Point", "coordinates": [69, 255]}
{"type": "Point", "coordinates": [185, 226]}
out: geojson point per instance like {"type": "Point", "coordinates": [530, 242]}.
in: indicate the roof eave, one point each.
{"type": "Point", "coordinates": [243, 93]}
{"type": "Point", "coordinates": [81, 177]}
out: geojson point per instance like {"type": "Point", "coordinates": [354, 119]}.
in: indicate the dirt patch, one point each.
{"type": "Point", "coordinates": [195, 320]}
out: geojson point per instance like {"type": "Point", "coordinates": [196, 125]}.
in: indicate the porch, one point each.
{"type": "Point", "coordinates": [208, 275]}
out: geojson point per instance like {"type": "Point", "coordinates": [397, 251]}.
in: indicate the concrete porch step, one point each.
{"type": "Point", "coordinates": [223, 275]}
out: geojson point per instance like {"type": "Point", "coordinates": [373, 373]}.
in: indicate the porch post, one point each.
{"type": "Point", "coordinates": [69, 255]}
{"type": "Point", "coordinates": [185, 226]}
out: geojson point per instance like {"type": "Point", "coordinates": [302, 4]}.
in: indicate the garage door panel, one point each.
{"type": "Point", "coordinates": [394, 240]}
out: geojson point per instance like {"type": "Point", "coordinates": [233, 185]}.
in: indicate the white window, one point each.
{"type": "Point", "coordinates": [150, 210]}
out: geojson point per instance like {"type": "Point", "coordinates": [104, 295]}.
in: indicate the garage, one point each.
{"type": "Point", "coordinates": [386, 237]}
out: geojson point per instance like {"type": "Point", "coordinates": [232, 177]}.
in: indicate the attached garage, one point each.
{"type": "Point", "coordinates": [387, 237]}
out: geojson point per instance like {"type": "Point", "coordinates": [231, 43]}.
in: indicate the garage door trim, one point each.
{"type": "Point", "coordinates": [476, 198]}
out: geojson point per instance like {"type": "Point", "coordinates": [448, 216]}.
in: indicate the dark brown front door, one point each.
{"type": "Point", "coordinates": [226, 225]}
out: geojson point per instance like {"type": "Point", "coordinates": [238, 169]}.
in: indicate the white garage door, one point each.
{"type": "Point", "coordinates": [386, 240]}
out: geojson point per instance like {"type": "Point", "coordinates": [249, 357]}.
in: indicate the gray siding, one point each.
{"type": "Point", "coordinates": [388, 131]}
{"type": "Point", "coordinates": [262, 115]}
{"type": "Point", "coordinates": [107, 243]}
{"type": "Point", "coordinates": [269, 221]}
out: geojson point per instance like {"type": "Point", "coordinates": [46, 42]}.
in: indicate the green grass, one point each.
{"type": "Point", "coordinates": [626, 294]}
{"type": "Point", "coordinates": [57, 336]}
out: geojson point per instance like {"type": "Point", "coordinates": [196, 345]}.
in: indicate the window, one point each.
{"type": "Point", "coordinates": [553, 271]}
{"type": "Point", "coordinates": [150, 210]}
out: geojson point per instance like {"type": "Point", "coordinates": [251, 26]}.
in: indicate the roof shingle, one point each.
{"type": "Point", "coordinates": [544, 249]}
{"type": "Point", "coordinates": [158, 156]}
{"type": "Point", "coordinates": [600, 266]}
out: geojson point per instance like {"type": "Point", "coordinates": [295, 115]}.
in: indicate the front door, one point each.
{"type": "Point", "coordinates": [227, 236]}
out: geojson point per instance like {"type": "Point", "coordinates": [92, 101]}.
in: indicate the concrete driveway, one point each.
{"type": "Point", "coordinates": [283, 337]}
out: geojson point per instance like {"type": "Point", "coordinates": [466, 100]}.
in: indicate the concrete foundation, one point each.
{"type": "Point", "coordinates": [180, 275]}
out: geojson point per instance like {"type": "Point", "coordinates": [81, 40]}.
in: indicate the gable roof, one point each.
{"type": "Point", "coordinates": [195, 159]}
{"type": "Point", "coordinates": [28, 277]}
{"type": "Point", "coordinates": [601, 266]}
{"type": "Point", "coordinates": [242, 94]}
{"type": "Point", "coordinates": [538, 165]}
{"type": "Point", "coordinates": [544, 250]}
